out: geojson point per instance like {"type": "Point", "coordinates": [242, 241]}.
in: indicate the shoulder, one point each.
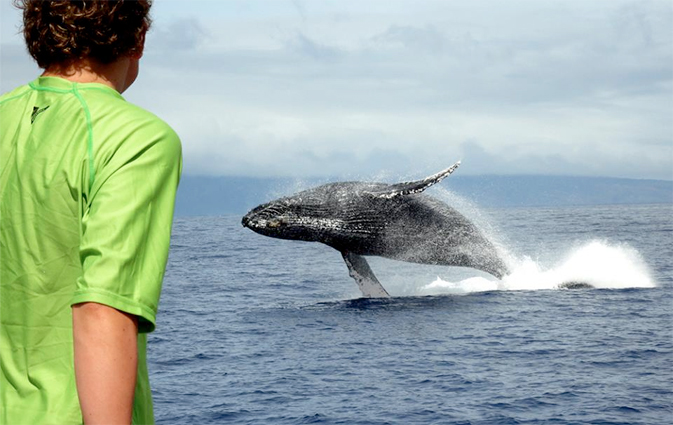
{"type": "Point", "coordinates": [114, 110]}
{"type": "Point", "coordinates": [14, 94]}
{"type": "Point", "coordinates": [144, 124]}
{"type": "Point", "coordinates": [152, 133]}
{"type": "Point", "coordinates": [121, 125]}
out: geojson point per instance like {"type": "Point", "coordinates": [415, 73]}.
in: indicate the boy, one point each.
{"type": "Point", "coordinates": [87, 189]}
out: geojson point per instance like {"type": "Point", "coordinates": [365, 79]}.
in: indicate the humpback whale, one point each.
{"type": "Point", "coordinates": [395, 221]}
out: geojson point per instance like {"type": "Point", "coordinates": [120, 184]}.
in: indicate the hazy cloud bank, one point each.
{"type": "Point", "coordinates": [349, 88]}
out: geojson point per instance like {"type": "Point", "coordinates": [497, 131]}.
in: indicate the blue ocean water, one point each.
{"type": "Point", "coordinates": [253, 330]}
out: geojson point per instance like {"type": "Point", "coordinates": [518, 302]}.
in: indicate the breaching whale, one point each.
{"type": "Point", "coordinates": [394, 221]}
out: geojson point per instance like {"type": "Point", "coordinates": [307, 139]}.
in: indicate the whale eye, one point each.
{"type": "Point", "coordinates": [274, 223]}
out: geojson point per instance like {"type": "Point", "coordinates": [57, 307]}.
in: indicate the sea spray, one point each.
{"type": "Point", "coordinates": [486, 224]}
{"type": "Point", "coordinates": [597, 263]}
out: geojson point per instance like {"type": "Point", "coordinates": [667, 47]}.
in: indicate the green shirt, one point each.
{"type": "Point", "coordinates": [87, 189]}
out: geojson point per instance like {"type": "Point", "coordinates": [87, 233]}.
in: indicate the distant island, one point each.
{"type": "Point", "coordinates": [202, 195]}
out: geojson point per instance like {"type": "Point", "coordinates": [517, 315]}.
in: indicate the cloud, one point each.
{"type": "Point", "coordinates": [180, 34]}
{"type": "Point", "coordinates": [304, 45]}
{"type": "Point", "coordinates": [426, 39]}
{"type": "Point", "coordinates": [355, 89]}
{"type": "Point", "coordinates": [301, 9]}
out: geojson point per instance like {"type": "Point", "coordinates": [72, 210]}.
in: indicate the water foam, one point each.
{"type": "Point", "coordinates": [597, 263]}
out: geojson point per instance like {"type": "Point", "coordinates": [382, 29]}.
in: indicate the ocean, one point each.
{"type": "Point", "coordinates": [254, 330]}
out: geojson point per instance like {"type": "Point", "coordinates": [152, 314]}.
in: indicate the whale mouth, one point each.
{"type": "Point", "coordinates": [258, 224]}
{"type": "Point", "coordinates": [253, 222]}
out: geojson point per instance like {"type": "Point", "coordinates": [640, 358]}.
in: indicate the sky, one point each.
{"type": "Point", "coordinates": [360, 88]}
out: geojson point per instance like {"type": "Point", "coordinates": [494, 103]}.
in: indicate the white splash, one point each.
{"type": "Point", "coordinates": [597, 263]}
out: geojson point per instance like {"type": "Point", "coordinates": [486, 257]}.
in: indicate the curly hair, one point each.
{"type": "Point", "coordinates": [61, 32]}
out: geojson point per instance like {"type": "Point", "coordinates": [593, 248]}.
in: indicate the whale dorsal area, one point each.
{"type": "Point", "coordinates": [408, 188]}
{"type": "Point", "coordinates": [359, 269]}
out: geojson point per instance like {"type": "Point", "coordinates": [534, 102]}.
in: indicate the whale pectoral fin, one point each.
{"type": "Point", "coordinates": [407, 188]}
{"type": "Point", "coordinates": [359, 269]}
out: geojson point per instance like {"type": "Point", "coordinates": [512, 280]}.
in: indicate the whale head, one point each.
{"type": "Point", "coordinates": [300, 217]}
{"type": "Point", "coordinates": [271, 219]}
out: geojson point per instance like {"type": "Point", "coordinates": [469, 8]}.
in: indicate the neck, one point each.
{"type": "Point", "coordinates": [119, 74]}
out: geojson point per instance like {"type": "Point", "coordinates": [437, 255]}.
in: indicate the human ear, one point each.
{"type": "Point", "coordinates": [137, 52]}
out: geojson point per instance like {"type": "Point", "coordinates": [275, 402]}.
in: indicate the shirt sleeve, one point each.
{"type": "Point", "coordinates": [126, 228]}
